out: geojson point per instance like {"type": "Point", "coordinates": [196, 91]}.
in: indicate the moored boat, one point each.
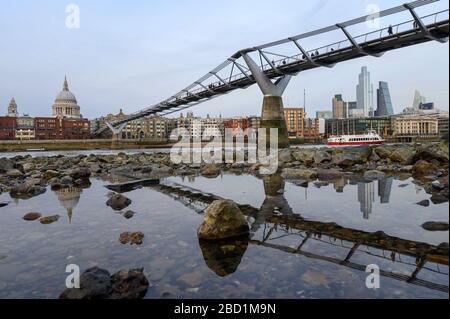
{"type": "Point", "coordinates": [371, 138]}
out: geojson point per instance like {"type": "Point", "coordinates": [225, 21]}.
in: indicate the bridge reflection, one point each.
{"type": "Point", "coordinates": [276, 226]}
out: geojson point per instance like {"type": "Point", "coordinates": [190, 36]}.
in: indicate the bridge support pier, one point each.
{"type": "Point", "coordinates": [116, 133]}
{"type": "Point", "coordinates": [272, 109]}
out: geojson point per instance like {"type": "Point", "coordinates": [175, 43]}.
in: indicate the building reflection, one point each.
{"type": "Point", "coordinates": [69, 198]}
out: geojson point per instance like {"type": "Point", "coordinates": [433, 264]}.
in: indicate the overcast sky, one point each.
{"type": "Point", "coordinates": [133, 54]}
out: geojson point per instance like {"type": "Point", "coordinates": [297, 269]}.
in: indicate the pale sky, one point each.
{"type": "Point", "coordinates": [133, 54]}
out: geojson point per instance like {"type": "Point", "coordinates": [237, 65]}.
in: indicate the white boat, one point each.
{"type": "Point", "coordinates": [371, 138]}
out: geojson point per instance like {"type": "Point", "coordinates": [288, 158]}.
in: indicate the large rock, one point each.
{"type": "Point", "coordinates": [223, 219]}
{"type": "Point", "coordinates": [80, 173]}
{"type": "Point", "coordinates": [435, 152]}
{"type": "Point", "coordinates": [285, 156]}
{"type": "Point", "coordinates": [306, 156]}
{"type": "Point", "coordinates": [6, 165]}
{"type": "Point", "coordinates": [347, 160]}
{"type": "Point", "coordinates": [329, 174]}
{"type": "Point", "coordinates": [118, 202]}
{"type": "Point", "coordinates": [96, 283]}
{"type": "Point", "coordinates": [50, 174]}
{"type": "Point", "coordinates": [374, 175]}
{"type": "Point", "coordinates": [435, 226]}
{"type": "Point", "coordinates": [129, 284]}
{"type": "Point", "coordinates": [132, 238]}
{"type": "Point", "coordinates": [322, 157]}
{"type": "Point", "coordinates": [30, 188]}
{"type": "Point", "coordinates": [293, 173]}
{"type": "Point", "coordinates": [423, 168]}
{"type": "Point", "coordinates": [49, 219]}
{"type": "Point", "coordinates": [32, 216]}
{"type": "Point", "coordinates": [383, 152]}
{"type": "Point", "coordinates": [14, 173]}
{"type": "Point", "coordinates": [210, 170]}
{"type": "Point", "coordinates": [403, 155]}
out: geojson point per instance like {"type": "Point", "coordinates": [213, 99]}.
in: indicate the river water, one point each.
{"type": "Point", "coordinates": [285, 257]}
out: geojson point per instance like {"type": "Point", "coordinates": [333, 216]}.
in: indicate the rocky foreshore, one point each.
{"type": "Point", "coordinates": [26, 176]}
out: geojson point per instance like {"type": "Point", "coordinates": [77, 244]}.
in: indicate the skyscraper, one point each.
{"type": "Point", "coordinates": [366, 198]}
{"type": "Point", "coordinates": [339, 107]}
{"type": "Point", "coordinates": [364, 93]}
{"type": "Point", "coordinates": [384, 102]}
{"type": "Point", "coordinates": [418, 100]}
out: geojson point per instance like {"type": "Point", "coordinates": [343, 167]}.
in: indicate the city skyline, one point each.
{"type": "Point", "coordinates": [140, 70]}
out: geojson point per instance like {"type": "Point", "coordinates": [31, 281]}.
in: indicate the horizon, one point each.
{"type": "Point", "coordinates": [110, 67]}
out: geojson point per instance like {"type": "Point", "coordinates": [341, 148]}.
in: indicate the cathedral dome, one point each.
{"type": "Point", "coordinates": [66, 104]}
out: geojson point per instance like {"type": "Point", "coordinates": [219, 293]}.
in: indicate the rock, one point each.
{"type": "Point", "coordinates": [322, 157]}
{"type": "Point", "coordinates": [424, 203]}
{"type": "Point", "coordinates": [403, 185]}
{"type": "Point", "coordinates": [321, 184]}
{"type": "Point", "coordinates": [403, 155]}
{"type": "Point", "coordinates": [210, 170]}
{"type": "Point", "coordinates": [374, 175]}
{"type": "Point", "coordinates": [223, 219]}
{"type": "Point", "coordinates": [330, 174]}
{"type": "Point", "coordinates": [306, 156]}
{"type": "Point", "coordinates": [374, 157]}
{"type": "Point", "coordinates": [129, 284]}
{"type": "Point", "coordinates": [14, 173]}
{"type": "Point", "coordinates": [80, 173]}
{"type": "Point", "coordinates": [433, 153]}
{"type": "Point", "coordinates": [95, 283]}
{"type": "Point", "coordinates": [346, 160]}
{"type": "Point", "coordinates": [129, 214]}
{"type": "Point", "coordinates": [437, 185]}
{"type": "Point", "coordinates": [3, 204]}
{"type": "Point", "coordinates": [383, 152]}
{"type": "Point", "coordinates": [292, 173]}
{"type": "Point", "coordinates": [28, 167]}
{"type": "Point", "coordinates": [6, 165]}
{"type": "Point", "coordinates": [66, 180]}
{"type": "Point", "coordinates": [438, 199]}
{"type": "Point", "coordinates": [435, 226]}
{"type": "Point", "coordinates": [50, 174]}
{"type": "Point", "coordinates": [49, 219]}
{"type": "Point", "coordinates": [118, 202]}
{"type": "Point", "coordinates": [28, 189]}
{"type": "Point", "coordinates": [32, 216]}
{"type": "Point", "coordinates": [285, 156]}
{"type": "Point", "coordinates": [423, 169]}
{"type": "Point", "coordinates": [132, 238]}
{"type": "Point", "coordinates": [300, 183]}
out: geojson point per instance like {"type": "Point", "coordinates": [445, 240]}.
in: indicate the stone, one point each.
{"type": "Point", "coordinates": [128, 214]}
{"type": "Point", "coordinates": [423, 169]}
{"type": "Point", "coordinates": [28, 167]}
{"type": "Point", "coordinates": [3, 204]}
{"type": "Point", "coordinates": [32, 216]}
{"type": "Point", "coordinates": [424, 203]}
{"type": "Point", "coordinates": [306, 156]}
{"type": "Point", "coordinates": [322, 157]}
{"type": "Point", "coordinates": [383, 152]}
{"type": "Point", "coordinates": [210, 170]}
{"type": "Point", "coordinates": [49, 174]}
{"type": "Point", "coordinates": [435, 226]}
{"type": "Point", "coordinates": [346, 160]}
{"type": "Point", "coordinates": [374, 157]}
{"type": "Point", "coordinates": [28, 189]}
{"type": "Point", "coordinates": [285, 156]}
{"type": "Point", "coordinates": [49, 219]}
{"type": "Point", "coordinates": [403, 155]}
{"type": "Point", "coordinates": [329, 174]}
{"type": "Point", "coordinates": [129, 284]}
{"type": "Point", "coordinates": [14, 173]}
{"type": "Point", "coordinates": [304, 174]}
{"type": "Point", "coordinates": [132, 238]}
{"type": "Point", "coordinates": [223, 219]}
{"type": "Point", "coordinates": [437, 185]}
{"type": "Point", "coordinates": [438, 199]}
{"type": "Point", "coordinates": [374, 175]}
{"type": "Point", "coordinates": [6, 165]}
{"type": "Point", "coordinates": [80, 173]}
{"type": "Point", "coordinates": [95, 283]}
{"type": "Point", "coordinates": [66, 180]}
{"type": "Point", "coordinates": [118, 202]}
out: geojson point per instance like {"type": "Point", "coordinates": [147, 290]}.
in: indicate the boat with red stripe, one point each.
{"type": "Point", "coordinates": [371, 138]}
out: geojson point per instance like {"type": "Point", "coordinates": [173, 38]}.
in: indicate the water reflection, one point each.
{"type": "Point", "coordinates": [69, 198]}
{"type": "Point", "coordinates": [276, 226]}
{"type": "Point", "coordinates": [224, 256]}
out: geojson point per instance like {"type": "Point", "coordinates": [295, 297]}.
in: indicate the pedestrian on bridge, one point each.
{"type": "Point", "coordinates": [390, 30]}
